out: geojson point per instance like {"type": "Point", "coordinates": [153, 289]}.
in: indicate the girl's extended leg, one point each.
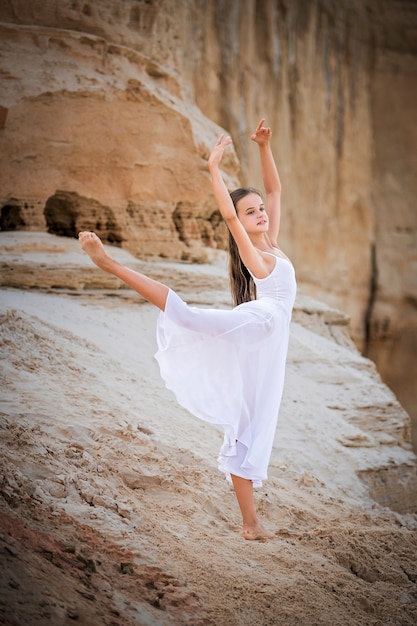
{"type": "Point", "coordinates": [150, 289]}
{"type": "Point", "coordinates": [252, 527]}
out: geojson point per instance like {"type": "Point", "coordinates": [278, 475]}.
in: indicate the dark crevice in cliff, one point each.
{"type": "Point", "coordinates": [179, 217]}
{"type": "Point", "coordinates": [66, 213]}
{"type": "Point", "coordinates": [11, 216]}
{"type": "Point", "coordinates": [3, 116]}
{"type": "Point", "coordinates": [373, 286]}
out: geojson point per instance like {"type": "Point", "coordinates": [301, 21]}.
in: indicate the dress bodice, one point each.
{"type": "Point", "coordinates": [280, 284]}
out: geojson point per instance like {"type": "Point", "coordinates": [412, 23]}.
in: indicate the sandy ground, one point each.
{"type": "Point", "coordinates": [112, 510]}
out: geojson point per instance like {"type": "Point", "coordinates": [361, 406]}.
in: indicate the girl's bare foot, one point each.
{"type": "Point", "coordinates": [257, 532]}
{"type": "Point", "coordinates": [92, 245]}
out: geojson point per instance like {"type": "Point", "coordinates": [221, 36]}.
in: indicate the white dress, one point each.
{"type": "Point", "coordinates": [227, 367]}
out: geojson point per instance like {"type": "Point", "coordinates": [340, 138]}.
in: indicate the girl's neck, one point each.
{"type": "Point", "coordinates": [262, 242]}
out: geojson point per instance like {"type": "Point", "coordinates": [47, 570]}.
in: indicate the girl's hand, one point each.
{"type": "Point", "coordinates": [261, 135]}
{"type": "Point", "coordinates": [218, 150]}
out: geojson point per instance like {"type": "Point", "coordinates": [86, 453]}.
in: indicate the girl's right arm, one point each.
{"type": "Point", "coordinates": [247, 251]}
{"type": "Point", "coordinates": [223, 199]}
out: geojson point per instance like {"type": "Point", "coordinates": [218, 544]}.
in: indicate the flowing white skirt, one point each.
{"type": "Point", "coordinates": [227, 367]}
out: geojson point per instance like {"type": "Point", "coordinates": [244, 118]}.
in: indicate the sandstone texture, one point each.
{"type": "Point", "coordinates": [111, 507]}
{"type": "Point", "coordinates": [112, 510]}
{"type": "Point", "coordinates": [108, 111]}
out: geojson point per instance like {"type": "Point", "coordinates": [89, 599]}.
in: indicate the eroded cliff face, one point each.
{"type": "Point", "coordinates": [109, 110]}
{"type": "Point", "coordinates": [391, 330]}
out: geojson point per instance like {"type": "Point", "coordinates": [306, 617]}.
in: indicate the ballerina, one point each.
{"type": "Point", "coordinates": [227, 367]}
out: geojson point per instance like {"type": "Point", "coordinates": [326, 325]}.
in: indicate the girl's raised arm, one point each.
{"type": "Point", "coordinates": [270, 177]}
{"type": "Point", "coordinates": [248, 253]}
{"type": "Point", "coordinates": [223, 199]}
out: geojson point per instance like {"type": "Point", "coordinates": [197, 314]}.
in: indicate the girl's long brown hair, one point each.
{"type": "Point", "coordinates": [241, 282]}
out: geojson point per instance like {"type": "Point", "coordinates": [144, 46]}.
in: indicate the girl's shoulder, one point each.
{"type": "Point", "coordinates": [277, 252]}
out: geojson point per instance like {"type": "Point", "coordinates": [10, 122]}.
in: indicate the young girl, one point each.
{"type": "Point", "coordinates": [227, 366]}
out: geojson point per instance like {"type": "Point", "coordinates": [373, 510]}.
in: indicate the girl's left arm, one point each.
{"type": "Point", "coordinates": [270, 177]}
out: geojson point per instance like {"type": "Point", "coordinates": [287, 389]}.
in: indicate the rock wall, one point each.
{"type": "Point", "coordinates": [109, 110]}
{"type": "Point", "coordinates": [391, 330]}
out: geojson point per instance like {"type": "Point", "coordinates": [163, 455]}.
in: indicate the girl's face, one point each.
{"type": "Point", "coordinates": [252, 213]}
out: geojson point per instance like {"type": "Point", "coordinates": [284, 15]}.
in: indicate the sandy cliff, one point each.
{"type": "Point", "coordinates": [112, 510]}
{"type": "Point", "coordinates": [108, 110]}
